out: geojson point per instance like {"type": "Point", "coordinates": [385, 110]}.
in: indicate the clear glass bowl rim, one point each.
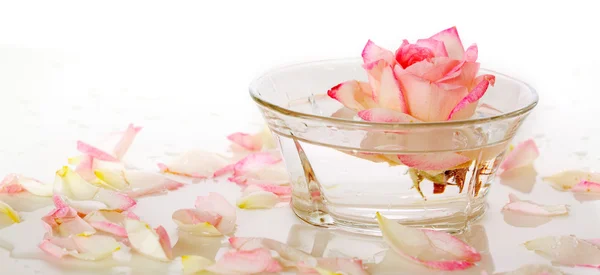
{"type": "Point", "coordinates": [254, 93]}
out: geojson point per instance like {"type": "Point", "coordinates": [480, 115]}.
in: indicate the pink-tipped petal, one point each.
{"type": "Point", "coordinates": [246, 262]}
{"type": "Point", "coordinates": [389, 95]}
{"type": "Point", "coordinates": [436, 46]}
{"type": "Point", "coordinates": [524, 154]}
{"type": "Point", "coordinates": [115, 200]}
{"type": "Point", "coordinates": [110, 222]}
{"type": "Point", "coordinates": [353, 94]}
{"type": "Point", "coordinates": [253, 162]}
{"type": "Point", "coordinates": [52, 249]}
{"type": "Point", "coordinates": [276, 189]}
{"type": "Point", "coordinates": [534, 269]}
{"type": "Point", "coordinates": [161, 188]}
{"type": "Point", "coordinates": [85, 168]}
{"type": "Point", "coordinates": [197, 222]}
{"type": "Point", "coordinates": [225, 170]}
{"type": "Point", "coordinates": [215, 203]}
{"type": "Point", "coordinates": [471, 53]}
{"type": "Point", "coordinates": [471, 99]}
{"type": "Point", "coordinates": [165, 241]}
{"type": "Point", "coordinates": [10, 184]}
{"type": "Point", "coordinates": [94, 152]}
{"type": "Point", "coordinates": [566, 250]}
{"type": "Point", "coordinates": [434, 161]}
{"type": "Point", "coordinates": [433, 249]}
{"type": "Point", "coordinates": [289, 255]}
{"type": "Point", "coordinates": [14, 183]}
{"type": "Point", "coordinates": [532, 208]}
{"type": "Point", "coordinates": [372, 53]}
{"type": "Point", "coordinates": [258, 200]}
{"type": "Point", "coordinates": [65, 221]}
{"type": "Point", "coordinates": [452, 42]}
{"type": "Point", "coordinates": [566, 180]}
{"type": "Point", "coordinates": [126, 140]}
{"type": "Point", "coordinates": [247, 141]}
{"type": "Point", "coordinates": [386, 115]}
{"type": "Point", "coordinates": [585, 186]}
{"type": "Point", "coordinates": [110, 228]}
{"type": "Point", "coordinates": [148, 242]}
{"type": "Point", "coordinates": [342, 265]}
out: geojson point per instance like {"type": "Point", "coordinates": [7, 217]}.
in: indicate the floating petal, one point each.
{"type": "Point", "coordinates": [523, 155]}
{"type": "Point", "coordinates": [353, 94]}
{"type": "Point", "coordinates": [433, 249]}
{"type": "Point", "coordinates": [532, 208]}
{"type": "Point", "coordinates": [566, 180]}
{"type": "Point", "coordinates": [148, 242]}
{"type": "Point", "coordinates": [433, 161]}
{"type": "Point", "coordinates": [386, 115]}
{"type": "Point", "coordinates": [566, 250]}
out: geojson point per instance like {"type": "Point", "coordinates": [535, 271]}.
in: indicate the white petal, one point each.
{"type": "Point", "coordinates": [534, 269]}
{"type": "Point", "coordinates": [9, 213]}
{"type": "Point", "coordinates": [196, 163]}
{"type": "Point", "coordinates": [197, 222]}
{"type": "Point", "coordinates": [566, 250]}
{"type": "Point", "coordinates": [566, 180]}
{"type": "Point", "coordinates": [72, 185]}
{"type": "Point", "coordinates": [145, 240]}
{"type": "Point", "coordinates": [258, 200]}
{"type": "Point", "coordinates": [193, 264]}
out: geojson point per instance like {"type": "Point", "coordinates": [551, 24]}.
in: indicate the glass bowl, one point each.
{"type": "Point", "coordinates": [344, 170]}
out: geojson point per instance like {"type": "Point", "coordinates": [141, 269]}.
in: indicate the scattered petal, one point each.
{"type": "Point", "coordinates": [247, 141]}
{"type": "Point", "coordinates": [64, 221]}
{"type": "Point", "coordinates": [566, 180]}
{"type": "Point", "coordinates": [278, 190]}
{"type": "Point", "coordinates": [386, 115]}
{"type": "Point", "coordinates": [197, 222]}
{"type": "Point", "coordinates": [126, 140]}
{"type": "Point", "coordinates": [260, 168]}
{"type": "Point", "coordinates": [523, 155]}
{"type": "Point", "coordinates": [14, 183]}
{"type": "Point", "coordinates": [195, 164]}
{"type": "Point", "coordinates": [532, 208]}
{"type": "Point", "coordinates": [193, 264]}
{"type": "Point", "coordinates": [6, 210]}
{"type": "Point", "coordinates": [566, 250]}
{"type": "Point", "coordinates": [10, 184]}
{"type": "Point", "coordinates": [534, 269]}
{"type": "Point", "coordinates": [246, 262]}
{"type": "Point", "coordinates": [452, 43]}
{"type": "Point", "coordinates": [433, 161]}
{"type": "Point", "coordinates": [586, 187]}
{"type": "Point", "coordinates": [137, 183]}
{"type": "Point", "coordinates": [94, 152]}
{"type": "Point", "coordinates": [148, 242]}
{"type": "Point", "coordinates": [89, 248]}
{"type": "Point", "coordinates": [107, 221]}
{"type": "Point", "coordinates": [334, 266]}
{"type": "Point", "coordinates": [258, 200]}
{"type": "Point", "coordinates": [289, 256]}
{"type": "Point", "coordinates": [225, 170]}
{"type": "Point", "coordinates": [372, 53]}
{"type": "Point", "coordinates": [215, 203]}
{"type": "Point", "coordinates": [437, 250]}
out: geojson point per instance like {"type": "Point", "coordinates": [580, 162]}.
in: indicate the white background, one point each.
{"type": "Point", "coordinates": [187, 64]}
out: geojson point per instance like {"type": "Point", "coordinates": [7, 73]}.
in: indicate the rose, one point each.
{"type": "Point", "coordinates": [434, 79]}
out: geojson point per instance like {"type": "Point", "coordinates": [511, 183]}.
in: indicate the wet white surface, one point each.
{"type": "Point", "coordinates": [66, 76]}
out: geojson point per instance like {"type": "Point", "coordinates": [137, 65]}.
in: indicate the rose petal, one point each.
{"type": "Point", "coordinates": [94, 152]}
{"type": "Point", "coordinates": [64, 221]}
{"type": "Point", "coordinates": [566, 180]}
{"type": "Point", "coordinates": [126, 140]}
{"type": "Point", "coordinates": [137, 183]}
{"type": "Point", "coordinates": [193, 264]}
{"type": "Point", "coordinates": [90, 248]}
{"type": "Point", "coordinates": [428, 101]}
{"type": "Point", "coordinates": [247, 141]}
{"type": "Point", "coordinates": [278, 190]}
{"type": "Point", "coordinates": [389, 94]}
{"type": "Point", "coordinates": [532, 208]}
{"type": "Point", "coordinates": [289, 255]}
{"type": "Point", "coordinates": [254, 162]}
{"type": "Point", "coordinates": [372, 53]}
{"type": "Point", "coordinates": [471, 53]}
{"type": "Point", "coordinates": [167, 185]}
{"type": "Point", "coordinates": [258, 200]}
{"type": "Point", "coordinates": [146, 241]}
{"type": "Point", "coordinates": [436, 46]}
{"type": "Point", "coordinates": [353, 94]}
{"type": "Point", "coordinates": [225, 170]}
{"type": "Point", "coordinates": [14, 183]}
{"type": "Point", "coordinates": [566, 250]}
{"type": "Point", "coordinates": [215, 203]}
{"type": "Point", "coordinates": [523, 155]}
{"type": "Point", "coordinates": [433, 161]}
{"type": "Point", "coordinates": [386, 115]}
{"type": "Point", "coordinates": [471, 99]}
{"type": "Point", "coordinates": [107, 221]}
{"type": "Point", "coordinates": [452, 42]}
{"type": "Point", "coordinates": [10, 184]}
{"type": "Point", "coordinates": [534, 269]}
{"type": "Point", "coordinates": [12, 215]}
{"type": "Point", "coordinates": [165, 241]}
{"type": "Point", "coordinates": [586, 187]}
{"type": "Point", "coordinates": [195, 164]}
{"type": "Point", "coordinates": [465, 76]}
{"type": "Point", "coordinates": [433, 249]}
{"type": "Point", "coordinates": [342, 265]}
{"type": "Point", "coordinates": [197, 222]}
{"type": "Point", "coordinates": [246, 262]}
